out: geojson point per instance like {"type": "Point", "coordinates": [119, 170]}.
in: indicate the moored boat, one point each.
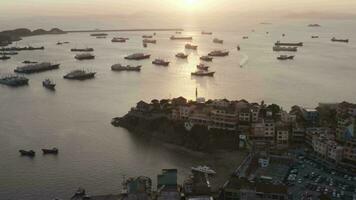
{"type": "Point", "coordinates": [160, 62]}
{"type": "Point", "coordinates": [218, 41]}
{"type": "Point", "coordinates": [14, 80]}
{"type": "Point", "coordinates": [50, 151]}
{"type": "Point", "coordinates": [100, 37]}
{"type": "Point", "coordinates": [202, 66]}
{"type": "Point", "coordinates": [181, 38]}
{"type": "Point", "coordinates": [83, 49]}
{"type": "Point", "coordinates": [206, 33]}
{"type": "Point", "coordinates": [202, 73]}
{"type": "Point", "coordinates": [98, 34]}
{"type": "Point", "coordinates": [79, 75]}
{"type": "Point", "coordinates": [37, 67]}
{"type": "Point", "coordinates": [285, 57]}
{"type": "Point", "coordinates": [190, 46]}
{"type": "Point", "coordinates": [3, 57]}
{"type": "Point", "coordinates": [282, 48]}
{"type": "Point", "coordinates": [119, 39]}
{"type": "Point", "coordinates": [296, 44]}
{"type": "Point", "coordinates": [9, 53]}
{"type": "Point", "coordinates": [29, 62]}
{"type": "Point", "coordinates": [314, 25]}
{"type": "Point", "coordinates": [206, 58]}
{"type": "Point", "coordinates": [119, 67]}
{"type": "Point", "coordinates": [84, 56]}
{"type": "Point", "coordinates": [147, 36]}
{"type": "Point", "coordinates": [138, 56]}
{"type": "Point", "coordinates": [181, 55]}
{"type": "Point", "coordinates": [245, 37]}
{"type": "Point", "coordinates": [339, 40]}
{"type": "Point", "coordinates": [314, 36]}
{"type": "Point", "coordinates": [219, 53]}
{"type": "Point", "coordinates": [29, 153]}
{"type": "Point", "coordinates": [152, 41]}
{"type": "Point", "coordinates": [47, 83]}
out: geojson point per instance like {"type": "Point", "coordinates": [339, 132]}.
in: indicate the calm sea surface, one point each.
{"type": "Point", "coordinates": [76, 117]}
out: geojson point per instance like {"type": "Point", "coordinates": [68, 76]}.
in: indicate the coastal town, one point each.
{"type": "Point", "coordinates": [306, 153]}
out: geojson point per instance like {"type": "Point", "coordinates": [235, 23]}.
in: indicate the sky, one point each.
{"type": "Point", "coordinates": [126, 7]}
{"type": "Point", "coordinates": [77, 14]}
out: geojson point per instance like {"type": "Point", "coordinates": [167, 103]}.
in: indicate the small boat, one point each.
{"type": "Point", "coordinates": [206, 58]}
{"type": "Point", "coordinates": [83, 50]}
{"type": "Point", "coordinates": [50, 151]}
{"type": "Point", "coordinates": [339, 40]}
{"type": "Point", "coordinates": [29, 153]}
{"type": "Point", "coordinates": [282, 48]}
{"type": "Point", "coordinates": [119, 39]}
{"type": "Point", "coordinates": [149, 41]}
{"type": "Point", "coordinates": [3, 57]}
{"type": "Point", "coordinates": [147, 36]}
{"type": "Point", "coordinates": [144, 45]}
{"type": "Point", "coordinates": [218, 41]}
{"type": "Point", "coordinates": [178, 32]}
{"type": "Point", "coordinates": [181, 38]}
{"type": "Point", "coordinates": [47, 83]}
{"type": "Point", "coordinates": [60, 43]}
{"type": "Point", "coordinates": [204, 169]}
{"type": "Point", "coordinates": [314, 36]}
{"type": "Point", "coordinates": [79, 75]}
{"type": "Point", "coordinates": [181, 55]}
{"type": "Point", "coordinates": [84, 56]}
{"type": "Point", "coordinates": [202, 73]}
{"type": "Point", "coordinates": [138, 56]}
{"type": "Point", "coordinates": [98, 34]}
{"type": "Point", "coordinates": [314, 25]}
{"type": "Point", "coordinates": [29, 62]}
{"type": "Point", "coordinates": [238, 47]}
{"type": "Point", "coordinates": [283, 35]}
{"type": "Point", "coordinates": [202, 66]}
{"type": "Point", "coordinates": [190, 46]}
{"type": "Point", "coordinates": [119, 67]}
{"type": "Point", "coordinates": [245, 37]}
{"type": "Point", "coordinates": [267, 33]}
{"type": "Point", "coordinates": [297, 44]}
{"type": "Point", "coordinates": [206, 33]}
{"type": "Point", "coordinates": [219, 53]}
{"type": "Point", "coordinates": [285, 57]}
{"type": "Point", "coordinates": [160, 62]}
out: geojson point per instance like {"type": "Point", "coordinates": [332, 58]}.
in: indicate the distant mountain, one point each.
{"type": "Point", "coordinates": [9, 36]}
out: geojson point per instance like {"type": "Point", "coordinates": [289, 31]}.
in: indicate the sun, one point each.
{"type": "Point", "coordinates": [191, 3]}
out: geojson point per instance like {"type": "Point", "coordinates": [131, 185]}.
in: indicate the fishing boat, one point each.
{"type": "Point", "coordinates": [29, 153]}
{"type": "Point", "coordinates": [181, 55]}
{"type": "Point", "coordinates": [339, 40]}
{"type": "Point", "coordinates": [160, 62]}
{"type": "Point", "coordinates": [203, 169]}
{"type": "Point", "coordinates": [190, 46]}
{"type": "Point", "coordinates": [282, 48]}
{"type": "Point", "coordinates": [206, 58]}
{"type": "Point", "coordinates": [285, 57]}
{"type": "Point", "coordinates": [202, 66]}
{"type": "Point", "coordinates": [50, 151]}
{"type": "Point", "coordinates": [83, 49]}
{"type": "Point", "coordinates": [219, 53]}
{"type": "Point", "coordinates": [84, 56]}
{"type": "Point", "coordinates": [79, 75]}
{"type": "Point", "coordinates": [297, 44]}
{"type": "Point", "coordinates": [218, 41]}
{"type": "Point", "coordinates": [202, 73]}
{"type": "Point", "coordinates": [138, 56]}
{"type": "Point", "coordinates": [181, 38]}
{"type": "Point", "coordinates": [47, 83]}
{"type": "Point", "coordinates": [119, 67]}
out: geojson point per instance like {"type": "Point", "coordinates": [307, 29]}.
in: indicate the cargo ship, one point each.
{"type": "Point", "coordinates": [281, 48]}
{"type": "Point", "coordinates": [35, 68]}
{"type": "Point", "coordinates": [138, 56]}
{"type": "Point", "coordinates": [84, 56]}
{"type": "Point", "coordinates": [119, 67]}
{"type": "Point", "coordinates": [79, 75]}
{"type": "Point", "coordinates": [14, 80]}
{"type": "Point", "coordinates": [83, 50]}
{"type": "Point", "coordinates": [296, 44]}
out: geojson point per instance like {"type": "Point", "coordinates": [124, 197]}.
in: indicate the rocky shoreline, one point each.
{"type": "Point", "coordinates": [199, 138]}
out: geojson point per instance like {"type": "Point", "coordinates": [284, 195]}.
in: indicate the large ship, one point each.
{"type": "Point", "coordinates": [282, 48]}
{"type": "Point", "coordinates": [218, 53]}
{"type": "Point", "coordinates": [339, 40]}
{"type": "Point", "coordinates": [181, 55]}
{"type": "Point", "coordinates": [202, 73]}
{"type": "Point", "coordinates": [83, 49]}
{"type": "Point", "coordinates": [160, 62]}
{"type": "Point", "coordinates": [34, 68]}
{"type": "Point", "coordinates": [79, 75]}
{"type": "Point", "coordinates": [296, 44]}
{"type": "Point", "coordinates": [218, 41]}
{"type": "Point", "coordinates": [206, 58]}
{"type": "Point", "coordinates": [84, 56]}
{"type": "Point", "coordinates": [190, 46]}
{"type": "Point", "coordinates": [138, 56]}
{"type": "Point", "coordinates": [119, 67]}
{"type": "Point", "coordinates": [14, 80]}
{"type": "Point", "coordinates": [181, 37]}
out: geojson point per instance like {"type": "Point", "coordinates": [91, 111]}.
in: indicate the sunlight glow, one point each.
{"type": "Point", "coordinates": [191, 4]}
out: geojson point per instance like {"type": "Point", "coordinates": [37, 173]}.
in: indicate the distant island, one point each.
{"type": "Point", "coordinates": [9, 36]}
